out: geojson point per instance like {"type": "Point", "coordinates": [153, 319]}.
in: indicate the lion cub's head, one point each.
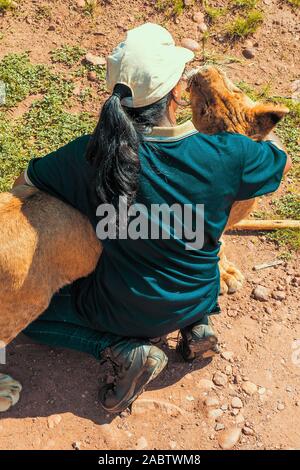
{"type": "Point", "coordinates": [218, 105]}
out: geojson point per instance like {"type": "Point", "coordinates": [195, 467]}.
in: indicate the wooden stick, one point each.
{"type": "Point", "coordinates": [269, 264]}
{"type": "Point", "coordinates": [256, 224]}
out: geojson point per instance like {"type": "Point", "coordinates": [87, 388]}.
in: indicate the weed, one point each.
{"type": "Point", "coordinates": [295, 3]}
{"type": "Point", "coordinates": [215, 13]}
{"type": "Point", "coordinates": [5, 4]}
{"type": "Point", "coordinates": [171, 7]}
{"type": "Point", "coordinates": [246, 4]}
{"type": "Point", "coordinates": [91, 7]}
{"type": "Point", "coordinates": [243, 26]}
{"type": "Point", "coordinates": [67, 55]}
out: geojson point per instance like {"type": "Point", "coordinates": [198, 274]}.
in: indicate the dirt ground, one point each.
{"type": "Point", "coordinates": [260, 340]}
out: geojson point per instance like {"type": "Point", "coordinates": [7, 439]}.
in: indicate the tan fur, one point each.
{"type": "Point", "coordinates": [218, 105]}
{"type": "Point", "coordinates": [45, 244]}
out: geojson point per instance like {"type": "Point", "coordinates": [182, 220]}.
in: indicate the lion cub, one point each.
{"type": "Point", "coordinates": [218, 105]}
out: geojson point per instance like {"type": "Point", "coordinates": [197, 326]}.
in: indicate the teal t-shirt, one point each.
{"type": "Point", "coordinates": [150, 287]}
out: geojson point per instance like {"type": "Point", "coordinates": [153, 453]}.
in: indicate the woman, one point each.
{"type": "Point", "coordinates": [146, 287]}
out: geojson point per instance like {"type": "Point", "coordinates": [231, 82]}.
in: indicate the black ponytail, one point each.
{"type": "Point", "coordinates": [113, 147]}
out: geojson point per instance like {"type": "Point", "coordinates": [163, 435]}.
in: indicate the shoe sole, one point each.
{"type": "Point", "coordinates": [142, 380]}
{"type": "Point", "coordinates": [202, 349]}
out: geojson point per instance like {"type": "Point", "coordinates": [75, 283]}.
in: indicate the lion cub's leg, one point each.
{"type": "Point", "coordinates": [9, 392]}
{"type": "Point", "coordinates": [231, 278]}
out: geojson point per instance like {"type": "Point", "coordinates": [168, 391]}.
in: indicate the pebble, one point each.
{"type": "Point", "coordinates": [219, 427]}
{"type": "Point", "coordinates": [198, 17]}
{"type": "Point", "coordinates": [239, 419]}
{"type": "Point", "coordinates": [224, 407]}
{"type": "Point", "coordinates": [235, 412]}
{"type": "Point", "coordinates": [227, 355]}
{"type": "Point", "coordinates": [236, 402]}
{"type": "Point", "coordinates": [279, 295]}
{"type": "Point", "coordinates": [261, 293]}
{"type": "Point", "coordinates": [268, 310]}
{"type": "Point", "coordinates": [249, 387]}
{"type": "Point", "coordinates": [228, 370]}
{"type": "Point", "coordinates": [215, 413]}
{"type": "Point", "coordinates": [248, 53]}
{"type": "Point", "coordinates": [52, 27]}
{"type": "Point", "coordinates": [94, 59]}
{"type": "Point", "coordinates": [211, 401]}
{"type": "Point", "coordinates": [205, 384]}
{"type": "Point", "coordinates": [280, 407]}
{"type": "Point", "coordinates": [53, 421]}
{"type": "Point", "coordinates": [202, 27]}
{"type": "Point", "coordinates": [190, 44]}
{"type": "Point", "coordinates": [92, 76]}
{"type": "Point", "coordinates": [76, 445]}
{"type": "Point", "coordinates": [248, 431]}
{"type": "Point", "coordinates": [220, 379]}
{"type": "Point", "coordinates": [228, 439]}
{"type": "Point", "coordinates": [261, 390]}
{"type": "Point", "coordinates": [80, 3]}
{"type": "Point", "coordinates": [142, 443]}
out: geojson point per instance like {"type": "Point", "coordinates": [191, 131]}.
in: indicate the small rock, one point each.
{"type": "Point", "coordinates": [236, 402]}
{"type": "Point", "coordinates": [280, 406]}
{"type": "Point", "coordinates": [94, 59]}
{"type": "Point", "coordinates": [80, 3]}
{"type": "Point", "coordinates": [235, 412]}
{"type": "Point", "coordinates": [53, 421]}
{"type": "Point", "coordinates": [261, 390]}
{"type": "Point", "coordinates": [228, 370]}
{"type": "Point", "coordinates": [215, 413]}
{"type": "Point", "coordinates": [228, 439]}
{"type": "Point", "coordinates": [211, 401]}
{"type": "Point", "coordinates": [202, 27]}
{"type": "Point", "coordinates": [76, 445]}
{"type": "Point", "coordinates": [227, 355]}
{"type": "Point", "coordinates": [239, 419]}
{"type": "Point", "coordinates": [198, 17]}
{"type": "Point", "coordinates": [249, 387]}
{"type": "Point", "coordinates": [219, 427]}
{"type": "Point", "coordinates": [190, 44]}
{"type": "Point", "coordinates": [92, 76]}
{"type": "Point", "coordinates": [190, 398]}
{"type": "Point", "coordinates": [224, 407]}
{"type": "Point", "coordinates": [248, 431]}
{"type": "Point", "coordinates": [52, 27]}
{"type": "Point", "coordinates": [248, 53]}
{"type": "Point", "coordinates": [279, 295]}
{"type": "Point", "coordinates": [268, 310]}
{"type": "Point", "coordinates": [141, 443]}
{"type": "Point", "coordinates": [261, 293]}
{"type": "Point", "coordinates": [205, 384]}
{"type": "Point", "coordinates": [220, 379]}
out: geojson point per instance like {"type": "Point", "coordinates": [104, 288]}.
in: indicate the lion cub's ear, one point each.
{"type": "Point", "coordinates": [264, 119]}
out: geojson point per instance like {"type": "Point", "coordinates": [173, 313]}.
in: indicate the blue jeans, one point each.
{"type": "Point", "coordinates": [60, 325]}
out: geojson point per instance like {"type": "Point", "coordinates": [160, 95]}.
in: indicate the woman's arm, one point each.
{"type": "Point", "coordinates": [276, 141]}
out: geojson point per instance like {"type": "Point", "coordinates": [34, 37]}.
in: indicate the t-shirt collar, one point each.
{"type": "Point", "coordinates": [171, 133]}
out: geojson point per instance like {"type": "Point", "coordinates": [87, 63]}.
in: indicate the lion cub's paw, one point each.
{"type": "Point", "coordinates": [231, 278]}
{"type": "Point", "coordinates": [9, 392]}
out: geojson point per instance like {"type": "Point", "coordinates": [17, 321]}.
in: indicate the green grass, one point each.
{"type": "Point", "coordinates": [171, 7]}
{"type": "Point", "coordinates": [246, 4]}
{"type": "Point", "coordinates": [67, 55]}
{"type": "Point", "coordinates": [214, 13]}
{"type": "Point", "coordinates": [295, 3]}
{"type": "Point", "coordinates": [5, 5]}
{"type": "Point", "coordinates": [46, 125]}
{"type": "Point", "coordinates": [243, 26]}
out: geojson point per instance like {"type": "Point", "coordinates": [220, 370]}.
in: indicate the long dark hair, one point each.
{"type": "Point", "coordinates": [113, 147]}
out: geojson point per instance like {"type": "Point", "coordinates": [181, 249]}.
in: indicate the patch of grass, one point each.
{"type": "Point", "coordinates": [171, 7]}
{"type": "Point", "coordinates": [247, 4]}
{"type": "Point", "coordinates": [46, 126]}
{"type": "Point", "coordinates": [287, 238]}
{"type": "Point", "coordinates": [43, 11]}
{"type": "Point", "coordinates": [67, 55]}
{"type": "Point", "coordinates": [91, 7]}
{"type": "Point", "coordinates": [295, 3]}
{"type": "Point", "coordinates": [243, 26]}
{"type": "Point", "coordinates": [214, 13]}
{"type": "Point", "coordinates": [5, 4]}
{"type": "Point", "coordinates": [288, 206]}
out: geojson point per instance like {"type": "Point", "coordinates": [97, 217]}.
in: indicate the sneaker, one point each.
{"type": "Point", "coordinates": [136, 363]}
{"type": "Point", "coordinates": [198, 341]}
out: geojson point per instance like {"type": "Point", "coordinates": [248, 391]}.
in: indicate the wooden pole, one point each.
{"type": "Point", "coordinates": [256, 224]}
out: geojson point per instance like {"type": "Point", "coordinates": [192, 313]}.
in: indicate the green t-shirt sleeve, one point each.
{"type": "Point", "coordinates": [60, 173]}
{"type": "Point", "coordinates": [262, 165]}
